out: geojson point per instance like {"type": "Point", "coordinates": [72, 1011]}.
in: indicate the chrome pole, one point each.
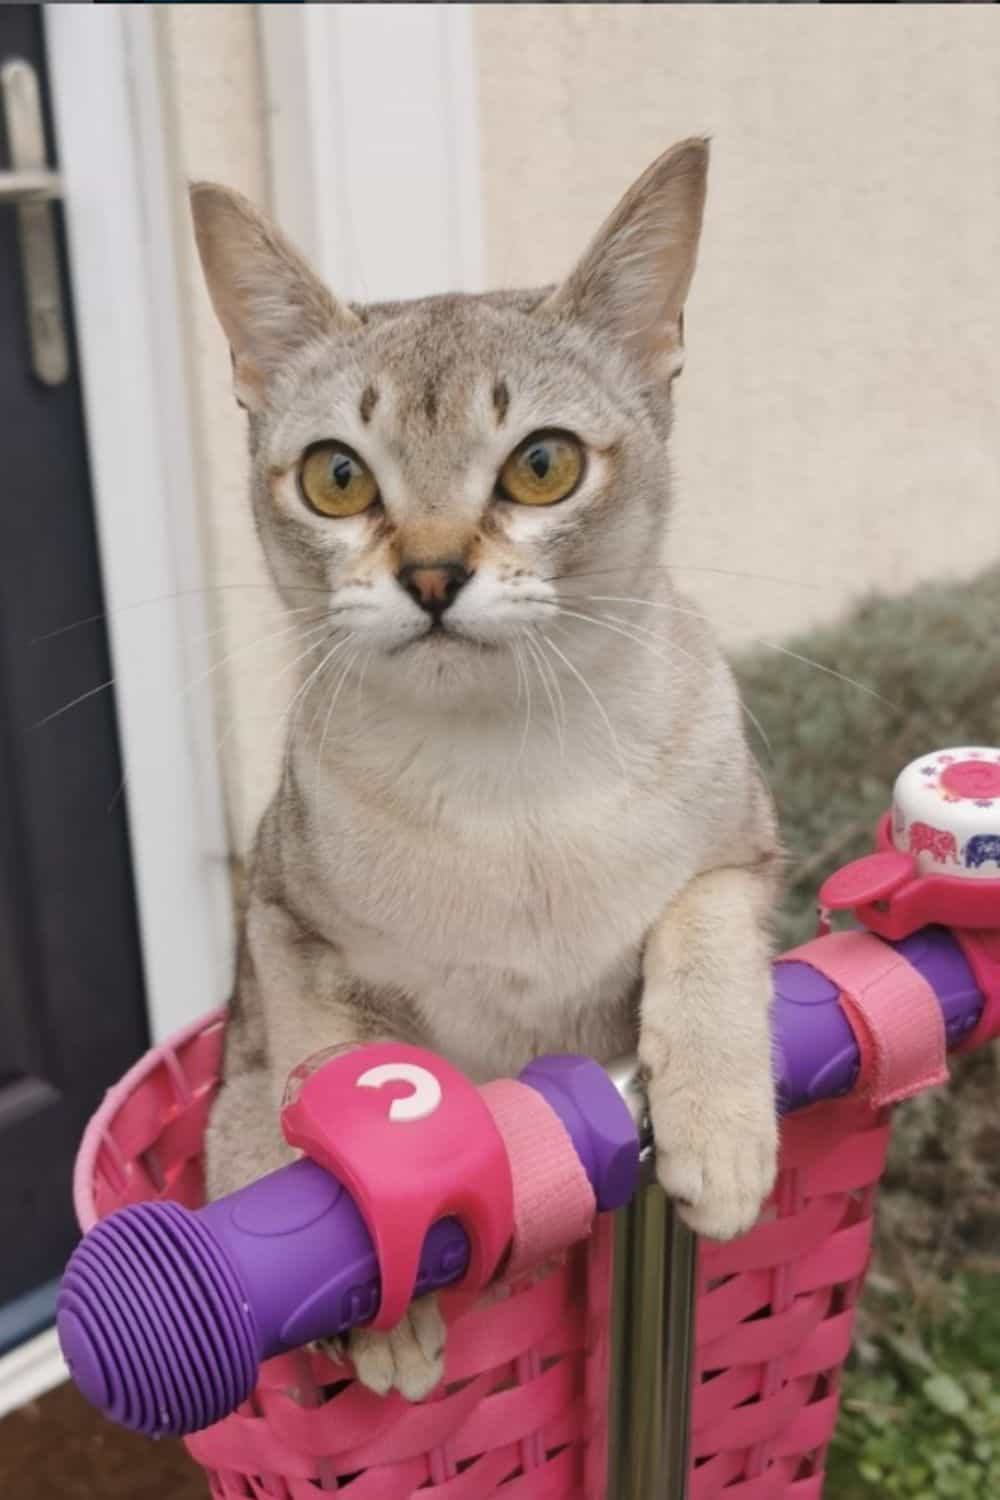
{"type": "Point", "coordinates": [652, 1332]}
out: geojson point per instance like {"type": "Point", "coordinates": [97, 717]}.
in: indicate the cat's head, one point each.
{"type": "Point", "coordinates": [442, 469]}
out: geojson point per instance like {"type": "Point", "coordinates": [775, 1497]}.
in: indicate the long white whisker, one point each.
{"type": "Point", "coordinates": [544, 668]}
{"type": "Point", "coordinates": [519, 669]}
{"type": "Point", "coordinates": [233, 717]}
{"type": "Point", "coordinates": [673, 646]}
{"type": "Point", "coordinates": [299, 696]}
{"type": "Point", "coordinates": [329, 715]}
{"type": "Point", "coordinates": [272, 680]}
{"type": "Point", "coordinates": [757, 640]}
{"type": "Point", "coordinates": [179, 697]}
{"type": "Point", "coordinates": [213, 588]}
{"type": "Point", "coordinates": [527, 703]}
{"type": "Point", "coordinates": [674, 609]}
{"type": "Point", "coordinates": [58, 712]}
{"type": "Point", "coordinates": [261, 640]}
{"type": "Point", "coordinates": [829, 671]}
{"type": "Point", "coordinates": [675, 567]}
{"type": "Point", "coordinates": [359, 686]}
{"type": "Point", "coordinates": [316, 609]}
{"type": "Point", "coordinates": [600, 709]}
{"type": "Point", "coordinates": [617, 630]}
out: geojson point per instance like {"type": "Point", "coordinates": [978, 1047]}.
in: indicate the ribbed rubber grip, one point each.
{"type": "Point", "coordinates": [153, 1322]}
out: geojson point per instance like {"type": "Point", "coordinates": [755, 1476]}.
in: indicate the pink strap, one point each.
{"type": "Point", "coordinates": [554, 1203]}
{"type": "Point", "coordinates": [892, 1010]}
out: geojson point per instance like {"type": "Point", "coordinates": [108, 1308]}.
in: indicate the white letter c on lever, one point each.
{"type": "Point", "coordinates": [422, 1102]}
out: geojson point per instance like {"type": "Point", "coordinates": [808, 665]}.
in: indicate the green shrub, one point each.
{"type": "Point", "coordinates": [920, 1416]}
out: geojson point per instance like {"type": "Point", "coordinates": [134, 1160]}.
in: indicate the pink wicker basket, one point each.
{"type": "Point", "coordinates": [521, 1413]}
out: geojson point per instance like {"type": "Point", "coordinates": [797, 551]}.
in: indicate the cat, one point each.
{"type": "Point", "coordinates": [517, 811]}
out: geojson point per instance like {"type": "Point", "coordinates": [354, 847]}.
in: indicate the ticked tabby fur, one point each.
{"type": "Point", "coordinates": [527, 821]}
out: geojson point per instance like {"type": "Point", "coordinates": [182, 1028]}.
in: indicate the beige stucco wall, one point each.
{"type": "Point", "coordinates": [839, 417]}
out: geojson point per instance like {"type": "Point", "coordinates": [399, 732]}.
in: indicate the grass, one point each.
{"type": "Point", "coordinates": [921, 1399]}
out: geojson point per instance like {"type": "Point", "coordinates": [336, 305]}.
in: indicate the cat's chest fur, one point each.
{"type": "Point", "coordinates": [511, 912]}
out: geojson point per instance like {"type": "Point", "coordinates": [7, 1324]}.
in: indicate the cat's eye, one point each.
{"type": "Point", "coordinates": [544, 469]}
{"type": "Point", "coordinates": [335, 481]}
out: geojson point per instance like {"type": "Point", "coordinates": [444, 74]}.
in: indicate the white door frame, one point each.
{"type": "Point", "coordinates": [120, 200]}
{"type": "Point", "coordinates": [373, 133]}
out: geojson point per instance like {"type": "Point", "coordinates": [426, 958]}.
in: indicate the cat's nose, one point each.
{"type": "Point", "coordinates": [434, 586]}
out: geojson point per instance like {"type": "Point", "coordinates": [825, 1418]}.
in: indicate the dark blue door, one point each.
{"type": "Point", "coordinates": [71, 999]}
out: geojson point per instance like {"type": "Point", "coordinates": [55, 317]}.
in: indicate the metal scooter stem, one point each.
{"type": "Point", "coordinates": [651, 1332]}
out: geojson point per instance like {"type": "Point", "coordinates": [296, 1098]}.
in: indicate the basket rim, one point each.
{"type": "Point", "coordinates": [114, 1098]}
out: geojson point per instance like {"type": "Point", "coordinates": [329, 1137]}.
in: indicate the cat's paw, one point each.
{"type": "Point", "coordinates": [717, 1156]}
{"type": "Point", "coordinates": [409, 1358]}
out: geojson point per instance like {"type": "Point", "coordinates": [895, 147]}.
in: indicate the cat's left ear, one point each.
{"type": "Point", "coordinates": [634, 278]}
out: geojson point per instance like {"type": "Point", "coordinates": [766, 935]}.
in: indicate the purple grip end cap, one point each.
{"type": "Point", "coordinates": [597, 1121]}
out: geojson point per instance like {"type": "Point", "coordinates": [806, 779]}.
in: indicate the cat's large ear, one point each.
{"type": "Point", "coordinates": [266, 297]}
{"type": "Point", "coordinates": [635, 275]}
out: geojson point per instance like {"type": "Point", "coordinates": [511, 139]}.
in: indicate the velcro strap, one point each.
{"type": "Point", "coordinates": [892, 1010]}
{"type": "Point", "coordinates": [554, 1203]}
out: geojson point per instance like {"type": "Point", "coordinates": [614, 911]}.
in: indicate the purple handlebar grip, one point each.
{"type": "Point", "coordinates": [818, 1056]}
{"type": "Point", "coordinates": [165, 1314]}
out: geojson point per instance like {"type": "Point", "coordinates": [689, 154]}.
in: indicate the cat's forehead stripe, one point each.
{"type": "Point", "coordinates": [369, 400]}
{"type": "Point", "coordinates": [501, 401]}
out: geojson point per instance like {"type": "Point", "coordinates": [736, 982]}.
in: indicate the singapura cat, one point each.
{"type": "Point", "coordinates": [517, 812]}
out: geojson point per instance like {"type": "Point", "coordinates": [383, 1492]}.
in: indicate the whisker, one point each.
{"type": "Point", "coordinates": [600, 709]}
{"type": "Point", "coordinates": [518, 668]}
{"type": "Point", "coordinates": [213, 588]}
{"type": "Point", "coordinates": [359, 686]}
{"type": "Point", "coordinates": [604, 620]}
{"type": "Point", "coordinates": [58, 712]}
{"type": "Point", "coordinates": [179, 698]}
{"type": "Point", "coordinates": [675, 646]}
{"type": "Point", "coordinates": [544, 668]}
{"type": "Point", "coordinates": [274, 678]}
{"type": "Point", "coordinates": [329, 715]}
{"type": "Point", "coordinates": [303, 690]}
{"type": "Point", "coordinates": [617, 630]}
{"type": "Point", "coordinates": [527, 705]}
{"type": "Point", "coordinates": [240, 651]}
{"type": "Point", "coordinates": [759, 641]}
{"type": "Point", "coordinates": [829, 671]}
{"type": "Point", "coordinates": [676, 609]}
{"type": "Point", "coordinates": [641, 568]}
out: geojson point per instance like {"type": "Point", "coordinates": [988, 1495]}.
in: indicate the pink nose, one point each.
{"type": "Point", "coordinates": [434, 586]}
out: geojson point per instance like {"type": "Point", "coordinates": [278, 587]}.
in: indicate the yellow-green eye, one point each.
{"type": "Point", "coordinates": [336, 482]}
{"type": "Point", "coordinates": [545, 468]}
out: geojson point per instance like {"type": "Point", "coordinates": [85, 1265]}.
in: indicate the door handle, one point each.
{"type": "Point", "coordinates": [29, 186]}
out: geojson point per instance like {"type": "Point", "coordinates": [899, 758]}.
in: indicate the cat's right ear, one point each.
{"type": "Point", "coordinates": [266, 297]}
